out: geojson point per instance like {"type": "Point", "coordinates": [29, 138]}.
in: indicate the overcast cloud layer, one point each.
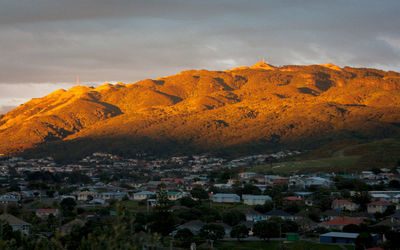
{"type": "Point", "coordinates": [44, 44]}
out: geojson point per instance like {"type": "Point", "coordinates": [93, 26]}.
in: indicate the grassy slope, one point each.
{"type": "Point", "coordinates": [345, 156]}
{"type": "Point", "coordinates": [314, 165]}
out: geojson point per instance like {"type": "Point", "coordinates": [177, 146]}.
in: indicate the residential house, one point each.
{"type": "Point", "coordinates": [339, 222]}
{"type": "Point", "coordinates": [143, 195]}
{"type": "Point", "coordinates": [254, 216]}
{"type": "Point", "coordinates": [381, 197]}
{"type": "Point", "coordinates": [279, 213]}
{"type": "Point", "coordinates": [377, 206]}
{"type": "Point", "coordinates": [86, 195]}
{"type": "Point", "coordinates": [344, 205]}
{"type": "Point", "coordinates": [292, 200]}
{"type": "Point", "coordinates": [368, 175]}
{"type": "Point", "coordinates": [8, 200]}
{"type": "Point", "coordinates": [194, 226]}
{"type": "Point", "coordinates": [44, 213]}
{"type": "Point", "coordinates": [16, 223]}
{"type": "Point", "coordinates": [247, 175]}
{"type": "Point", "coordinates": [317, 182]}
{"type": "Point", "coordinates": [280, 181]}
{"type": "Point", "coordinates": [173, 196]}
{"type": "Point", "coordinates": [253, 200]}
{"type": "Point", "coordinates": [225, 198]}
{"type": "Point", "coordinates": [330, 214]}
{"type": "Point", "coordinates": [338, 237]}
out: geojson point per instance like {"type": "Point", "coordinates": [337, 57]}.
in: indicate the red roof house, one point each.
{"type": "Point", "coordinates": [340, 222]}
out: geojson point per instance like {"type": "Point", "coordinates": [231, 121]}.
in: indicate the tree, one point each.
{"type": "Point", "coordinates": [233, 217]}
{"type": "Point", "coordinates": [248, 189]}
{"type": "Point", "coordinates": [266, 229]}
{"type": "Point", "coordinates": [268, 205]}
{"type": "Point", "coordinates": [364, 240]}
{"type": "Point", "coordinates": [199, 193]}
{"type": "Point", "coordinates": [394, 184]}
{"type": "Point", "coordinates": [68, 204]}
{"type": "Point", "coordinates": [212, 232]}
{"type": "Point", "coordinates": [163, 220]}
{"type": "Point", "coordinates": [239, 232]}
{"type": "Point", "coordinates": [393, 240]}
{"type": "Point", "coordinates": [362, 198]}
{"type": "Point", "coordinates": [351, 228]}
{"type": "Point", "coordinates": [188, 202]}
{"type": "Point", "coordinates": [185, 237]}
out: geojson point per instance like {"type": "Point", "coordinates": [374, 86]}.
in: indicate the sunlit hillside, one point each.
{"type": "Point", "coordinates": [246, 109]}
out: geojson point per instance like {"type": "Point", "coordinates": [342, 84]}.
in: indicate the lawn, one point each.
{"type": "Point", "coordinates": [224, 206]}
{"type": "Point", "coordinates": [230, 245]}
{"type": "Point", "coordinates": [321, 164]}
{"type": "Point", "coordinates": [134, 205]}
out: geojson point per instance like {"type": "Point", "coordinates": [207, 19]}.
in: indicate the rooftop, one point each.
{"type": "Point", "coordinates": [341, 235]}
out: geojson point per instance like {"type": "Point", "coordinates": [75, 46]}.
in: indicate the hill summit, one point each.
{"type": "Point", "coordinates": [246, 109]}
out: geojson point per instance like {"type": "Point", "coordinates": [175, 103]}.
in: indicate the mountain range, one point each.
{"type": "Point", "coordinates": [238, 111]}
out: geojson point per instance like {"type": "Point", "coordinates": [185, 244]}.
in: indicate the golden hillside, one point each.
{"type": "Point", "coordinates": [246, 108]}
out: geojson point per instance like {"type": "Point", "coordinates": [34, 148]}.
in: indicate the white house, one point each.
{"type": "Point", "coordinates": [86, 195]}
{"type": "Point", "coordinates": [44, 213]}
{"type": "Point", "coordinates": [253, 200]}
{"type": "Point", "coordinates": [143, 195]}
{"type": "Point", "coordinates": [173, 196]}
{"type": "Point", "coordinates": [317, 181]}
{"type": "Point", "coordinates": [247, 175]}
{"type": "Point", "coordinates": [225, 198]}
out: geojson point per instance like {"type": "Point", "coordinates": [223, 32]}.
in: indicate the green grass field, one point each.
{"type": "Point", "coordinates": [314, 165]}
{"type": "Point", "coordinates": [134, 205]}
{"type": "Point", "coordinates": [302, 245]}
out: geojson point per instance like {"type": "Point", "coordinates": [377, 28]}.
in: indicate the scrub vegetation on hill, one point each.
{"type": "Point", "coordinates": [240, 111]}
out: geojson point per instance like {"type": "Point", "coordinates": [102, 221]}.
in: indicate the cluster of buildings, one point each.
{"type": "Point", "coordinates": [112, 178]}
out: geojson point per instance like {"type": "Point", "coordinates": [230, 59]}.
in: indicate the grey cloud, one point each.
{"type": "Point", "coordinates": [124, 40]}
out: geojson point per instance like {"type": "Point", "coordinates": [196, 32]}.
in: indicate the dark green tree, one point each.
{"type": "Point", "coordinates": [268, 206]}
{"type": "Point", "coordinates": [67, 205]}
{"type": "Point", "coordinates": [266, 229]}
{"type": "Point", "coordinates": [239, 232]}
{"type": "Point", "coordinates": [233, 217]}
{"type": "Point", "coordinates": [199, 193]}
{"type": "Point", "coordinates": [364, 240]}
{"type": "Point", "coordinates": [212, 232]}
{"type": "Point", "coordinates": [185, 237]}
{"type": "Point", "coordinates": [362, 199]}
{"type": "Point", "coordinates": [188, 202]}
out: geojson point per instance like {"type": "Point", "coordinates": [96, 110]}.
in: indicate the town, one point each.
{"type": "Point", "coordinates": [197, 201]}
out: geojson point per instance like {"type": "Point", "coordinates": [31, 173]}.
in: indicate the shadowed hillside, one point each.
{"type": "Point", "coordinates": [243, 110]}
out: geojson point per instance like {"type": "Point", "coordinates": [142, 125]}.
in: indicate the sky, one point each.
{"type": "Point", "coordinates": [45, 44]}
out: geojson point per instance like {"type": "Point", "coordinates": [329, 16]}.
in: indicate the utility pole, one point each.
{"type": "Point", "coordinates": [77, 80]}
{"type": "Point", "coordinates": [280, 235]}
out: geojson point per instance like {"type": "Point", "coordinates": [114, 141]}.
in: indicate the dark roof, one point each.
{"type": "Point", "coordinates": [340, 235]}
{"type": "Point", "coordinates": [396, 214]}
{"type": "Point", "coordinates": [252, 212]}
{"type": "Point", "coordinates": [277, 213]}
{"type": "Point", "coordinates": [331, 212]}
{"type": "Point", "coordinates": [192, 223]}
{"type": "Point", "coordinates": [248, 224]}
{"type": "Point", "coordinates": [12, 220]}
